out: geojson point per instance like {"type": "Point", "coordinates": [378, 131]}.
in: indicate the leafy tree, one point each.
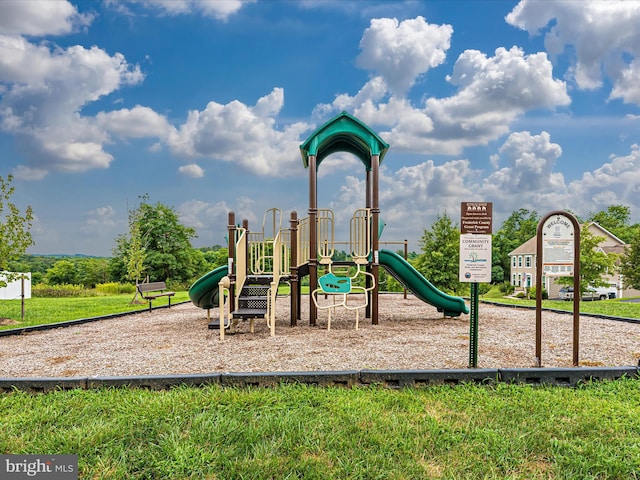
{"type": "Point", "coordinates": [517, 229]}
{"type": "Point", "coordinates": [164, 242]}
{"type": "Point", "coordinates": [92, 271]}
{"type": "Point", "coordinates": [594, 263]}
{"type": "Point", "coordinates": [216, 256]}
{"type": "Point", "coordinates": [137, 247]}
{"type": "Point", "coordinates": [615, 219]}
{"type": "Point", "coordinates": [630, 264]}
{"type": "Point", "coordinates": [497, 274]}
{"type": "Point", "coordinates": [440, 257]}
{"type": "Point", "coordinates": [62, 272]}
{"type": "Point", "coordinates": [15, 237]}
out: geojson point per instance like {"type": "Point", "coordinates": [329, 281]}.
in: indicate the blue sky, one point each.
{"type": "Point", "coordinates": [203, 105]}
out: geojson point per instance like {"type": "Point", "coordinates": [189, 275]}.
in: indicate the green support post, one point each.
{"type": "Point", "coordinates": [473, 327]}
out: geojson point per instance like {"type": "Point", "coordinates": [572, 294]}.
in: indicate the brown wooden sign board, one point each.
{"type": "Point", "coordinates": [476, 217]}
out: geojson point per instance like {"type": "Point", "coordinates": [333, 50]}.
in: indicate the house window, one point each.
{"type": "Point", "coordinates": [513, 261]}
{"type": "Point", "coordinates": [519, 260]}
{"type": "Point", "coordinates": [527, 261]}
{"type": "Point", "coordinates": [514, 279]}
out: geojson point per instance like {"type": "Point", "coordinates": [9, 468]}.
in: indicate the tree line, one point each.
{"type": "Point", "coordinates": [158, 247]}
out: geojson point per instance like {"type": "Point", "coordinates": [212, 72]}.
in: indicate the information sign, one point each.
{"type": "Point", "coordinates": [475, 258]}
{"type": "Point", "coordinates": [558, 238]}
{"type": "Point", "coordinates": [476, 217]}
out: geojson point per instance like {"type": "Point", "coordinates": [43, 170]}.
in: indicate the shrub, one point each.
{"type": "Point", "coordinates": [532, 293]}
{"type": "Point", "coordinates": [506, 288]}
{"type": "Point", "coordinates": [521, 295]}
{"type": "Point", "coordinates": [59, 291]}
{"type": "Point", "coordinates": [115, 288]}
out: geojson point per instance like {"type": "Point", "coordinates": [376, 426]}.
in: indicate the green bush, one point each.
{"type": "Point", "coordinates": [506, 288]}
{"type": "Point", "coordinates": [59, 291]}
{"type": "Point", "coordinates": [115, 288]}
{"type": "Point", "coordinates": [532, 293]}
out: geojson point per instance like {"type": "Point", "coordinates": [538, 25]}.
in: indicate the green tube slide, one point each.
{"type": "Point", "coordinates": [413, 280]}
{"type": "Point", "coordinates": [204, 291]}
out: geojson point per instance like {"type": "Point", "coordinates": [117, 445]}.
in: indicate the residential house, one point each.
{"type": "Point", "coordinates": [523, 264]}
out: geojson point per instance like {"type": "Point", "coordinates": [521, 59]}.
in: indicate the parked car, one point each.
{"type": "Point", "coordinates": [565, 293]}
{"type": "Point", "coordinates": [591, 293]}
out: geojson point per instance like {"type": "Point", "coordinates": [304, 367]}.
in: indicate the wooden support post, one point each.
{"type": "Point", "coordinates": [313, 237]}
{"type": "Point", "coordinates": [375, 214]}
{"type": "Point", "coordinates": [293, 275]}
{"type": "Point", "coordinates": [231, 233]}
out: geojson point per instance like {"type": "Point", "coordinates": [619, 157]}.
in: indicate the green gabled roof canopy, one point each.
{"type": "Point", "coordinates": [344, 133]}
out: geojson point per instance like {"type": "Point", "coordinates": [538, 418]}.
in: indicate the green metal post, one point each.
{"type": "Point", "coordinates": [473, 327]}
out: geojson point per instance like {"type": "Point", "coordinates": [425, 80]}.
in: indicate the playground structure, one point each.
{"type": "Point", "coordinates": [260, 261]}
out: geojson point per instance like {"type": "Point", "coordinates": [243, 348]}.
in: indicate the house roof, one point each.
{"type": "Point", "coordinates": [527, 248]}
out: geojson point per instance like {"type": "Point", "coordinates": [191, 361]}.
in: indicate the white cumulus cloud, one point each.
{"type": "Point", "coordinates": [402, 51]}
{"type": "Point", "coordinates": [602, 35]}
{"type": "Point", "coordinates": [218, 9]}
{"type": "Point", "coordinates": [192, 170]}
{"type": "Point", "coordinates": [244, 135]}
{"type": "Point", "coordinates": [40, 17]}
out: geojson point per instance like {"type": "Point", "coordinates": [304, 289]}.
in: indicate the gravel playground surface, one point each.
{"type": "Point", "coordinates": [411, 335]}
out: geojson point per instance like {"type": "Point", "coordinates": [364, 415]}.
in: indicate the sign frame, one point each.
{"type": "Point", "coordinates": [576, 282]}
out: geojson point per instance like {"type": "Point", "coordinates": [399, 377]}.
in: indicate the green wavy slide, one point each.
{"type": "Point", "coordinates": [413, 280]}
{"type": "Point", "coordinates": [204, 291]}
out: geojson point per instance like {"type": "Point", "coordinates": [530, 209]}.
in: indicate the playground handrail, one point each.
{"type": "Point", "coordinates": [324, 220]}
{"type": "Point", "coordinates": [280, 265]}
{"type": "Point", "coordinates": [241, 261]}
{"type": "Point", "coordinates": [303, 241]}
{"type": "Point", "coordinates": [325, 233]}
{"type": "Point", "coordinates": [360, 235]}
{"type": "Point", "coordinates": [223, 307]}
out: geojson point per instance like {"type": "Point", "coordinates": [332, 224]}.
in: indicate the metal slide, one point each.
{"type": "Point", "coordinates": [204, 291]}
{"type": "Point", "coordinates": [420, 286]}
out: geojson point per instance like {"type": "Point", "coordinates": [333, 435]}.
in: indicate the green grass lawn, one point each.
{"type": "Point", "coordinates": [40, 311]}
{"type": "Point", "coordinates": [615, 307]}
{"type": "Point", "coordinates": [295, 431]}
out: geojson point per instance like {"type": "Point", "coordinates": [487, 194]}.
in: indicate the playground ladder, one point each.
{"type": "Point", "coordinates": [262, 261]}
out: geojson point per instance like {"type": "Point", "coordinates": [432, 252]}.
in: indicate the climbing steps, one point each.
{"type": "Point", "coordinates": [252, 301]}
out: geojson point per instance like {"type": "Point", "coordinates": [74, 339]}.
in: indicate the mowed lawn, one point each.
{"type": "Point", "coordinates": [39, 311]}
{"type": "Point", "coordinates": [296, 431]}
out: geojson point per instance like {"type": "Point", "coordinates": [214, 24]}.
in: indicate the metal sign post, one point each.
{"type": "Point", "coordinates": [475, 260]}
{"type": "Point", "coordinates": [558, 254]}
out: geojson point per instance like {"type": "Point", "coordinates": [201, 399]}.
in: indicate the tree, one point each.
{"type": "Point", "coordinates": [157, 237]}
{"type": "Point", "coordinates": [137, 247]}
{"type": "Point", "coordinates": [594, 263]}
{"type": "Point", "coordinates": [616, 220]}
{"type": "Point", "coordinates": [517, 229]}
{"type": "Point", "coordinates": [92, 271]}
{"type": "Point", "coordinates": [63, 272]}
{"type": "Point", "coordinates": [15, 237]}
{"type": "Point", "coordinates": [216, 256]}
{"type": "Point", "coordinates": [630, 264]}
{"type": "Point", "coordinates": [439, 260]}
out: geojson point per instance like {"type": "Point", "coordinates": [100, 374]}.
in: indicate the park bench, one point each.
{"type": "Point", "coordinates": [152, 290]}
